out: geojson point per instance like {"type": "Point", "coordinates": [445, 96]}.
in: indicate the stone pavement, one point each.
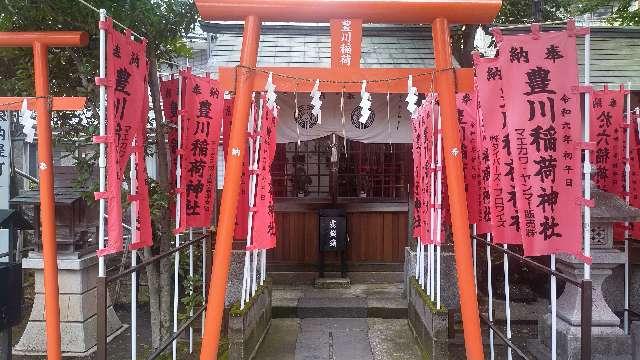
{"type": "Point", "coordinates": [339, 324]}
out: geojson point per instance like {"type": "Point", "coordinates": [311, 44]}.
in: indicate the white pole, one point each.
{"type": "Point", "coordinates": [554, 340]}
{"type": "Point", "coordinates": [102, 160]}
{"type": "Point", "coordinates": [176, 263]}
{"type": "Point", "coordinates": [507, 306]}
{"type": "Point", "coordinates": [191, 289]}
{"type": "Point", "coordinates": [474, 232]}
{"type": "Point", "coordinates": [254, 253]}
{"type": "Point", "coordinates": [204, 276]}
{"type": "Point", "coordinates": [432, 272]}
{"type": "Point", "coordinates": [627, 188]}
{"type": "Point", "coordinates": [587, 164]}
{"type": "Point", "coordinates": [133, 174]}
{"type": "Point", "coordinates": [432, 210]}
{"type": "Point", "coordinates": [490, 293]}
{"type": "Point", "coordinates": [438, 204]}
{"type": "Point", "coordinates": [418, 260]}
{"type": "Point", "coordinates": [263, 261]}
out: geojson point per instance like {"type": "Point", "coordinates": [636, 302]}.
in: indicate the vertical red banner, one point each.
{"type": "Point", "coordinates": [169, 93]}
{"type": "Point", "coordinates": [127, 98]}
{"type": "Point", "coordinates": [544, 125]}
{"type": "Point", "coordinates": [634, 175]}
{"type": "Point", "coordinates": [201, 122]}
{"type": "Point", "coordinates": [467, 104]}
{"type": "Point", "coordinates": [423, 141]}
{"type": "Point", "coordinates": [484, 221]}
{"type": "Point", "coordinates": [505, 223]}
{"type": "Point", "coordinates": [264, 226]}
{"type": "Point", "coordinates": [608, 132]}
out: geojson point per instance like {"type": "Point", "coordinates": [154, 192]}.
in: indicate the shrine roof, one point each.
{"type": "Point", "coordinates": [615, 51]}
{"type": "Point", "coordinates": [288, 44]}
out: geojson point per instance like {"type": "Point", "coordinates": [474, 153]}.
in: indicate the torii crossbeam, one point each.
{"type": "Point", "coordinates": [244, 79]}
{"type": "Point", "coordinates": [41, 42]}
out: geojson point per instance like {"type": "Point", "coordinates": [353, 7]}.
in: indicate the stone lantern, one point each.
{"type": "Point", "coordinates": [76, 222]}
{"type": "Point", "coordinates": [608, 339]}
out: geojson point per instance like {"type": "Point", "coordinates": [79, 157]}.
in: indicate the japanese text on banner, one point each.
{"type": "Point", "coordinates": [201, 134]}
{"type": "Point", "coordinates": [505, 223]}
{"type": "Point", "coordinates": [544, 126]}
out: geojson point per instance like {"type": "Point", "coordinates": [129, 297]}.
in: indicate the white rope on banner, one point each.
{"type": "Point", "coordinates": [102, 160]}
{"type": "Point", "coordinates": [133, 174]}
{"type": "Point", "coordinates": [627, 188]}
{"type": "Point", "coordinates": [176, 263]}
{"type": "Point", "coordinates": [507, 305]}
{"type": "Point", "coordinates": [438, 205]}
{"type": "Point", "coordinates": [586, 232]}
{"type": "Point", "coordinates": [490, 293]}
{"type": "Point", "coordinates": [554, 306]}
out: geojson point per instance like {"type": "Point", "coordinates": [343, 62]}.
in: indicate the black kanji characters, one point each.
{"type": "Point", "coordinates": [539, 80]}
{"type": "Point", "coordinates": [553, 53]}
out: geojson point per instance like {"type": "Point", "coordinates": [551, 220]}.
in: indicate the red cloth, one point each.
{"type": "Point", "coordinates": [484, 222]}
{"type": "Point", "coordinates": [608, 132]}
{"type": "Point", "coordinates": [264, 226]}
{"type": "Point", "coordinates": [467, 104]}
{"type": "Point", "coordinates": [505, 224]}
{"type": "Point", "coordinates": [423, 139]}
{"type": "Point", "coordinates": [169, 93]}
{"type": "Point", "coordinates": [201, 124]}
{"type": "Point", "coordinates": [544, 125]}
{"type": "Point", "coordinates": [127, 98]}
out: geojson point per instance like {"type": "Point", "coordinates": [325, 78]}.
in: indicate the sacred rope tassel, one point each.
{"type": "Point", "coordinates": [365, 103]}
{"type": "Point", "coordinates": [27, 119]}
{"type": "Point", "coordinates": [412, 96]}
{"type": "Point", "coordinates": [270, 88]}
{"type": "Point", "coordinates": [316, 102]}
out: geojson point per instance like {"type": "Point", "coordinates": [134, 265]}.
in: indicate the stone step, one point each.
{"type": "Point", "coordinates": [332, 283]}
{"type": "Point", "coordinates": [357, 277]}
{"type": "Point", "coordinates": [340, 307]}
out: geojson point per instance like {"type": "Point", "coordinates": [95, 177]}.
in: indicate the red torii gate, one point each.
{"type": "Point", "coordinates": [245, 79]}
{"type": "Point", "coordinates": [41, 42]}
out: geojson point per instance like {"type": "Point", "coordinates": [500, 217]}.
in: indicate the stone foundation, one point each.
{"type": "Point", "coordinates": [429, 325]}
{"type": "Point", "coordinates": [247, 327]}
{"type": "Point", "coordinates": [78, 321]}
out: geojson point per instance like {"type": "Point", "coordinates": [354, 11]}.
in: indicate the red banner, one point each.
{"type": "Point", "coordinates": [422, 129]}
{"type": "Point", "coordinates": [484, 222]}
{"type": "Point", "coordinates": [544, 126]}
{"type": "Point", "coordinates": [608, 132]}
{"type": "Point", "coordinates": [467, 104]}
{"type": "Point", "coordinates": [264, 226]}
{"type": "Point", "coordinates": [201, 124]}
{"type": "Point", "coordinates": [505, 223]}
{"type": "Point", "coordinates": [127, 99]}
{"type": "Point", "coordinates": [242, 213]}
{"type": "Point", "coordinates": [634, 175]}
{"type": "Point", "coordinates": [169, 93]}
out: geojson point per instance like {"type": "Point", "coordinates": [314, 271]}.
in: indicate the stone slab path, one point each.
{"type": "Point", "coordinates": [334, 324]}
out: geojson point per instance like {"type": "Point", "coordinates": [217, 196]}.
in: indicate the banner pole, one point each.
{"type": "Point", "coordinates": [102, 160]}
{"type": "Point", "coordinates": [231, 191]}
{"type": "Point", "coordinates": [191, 290]}
{"type": "Point", "coordinates": [507, 306]}
{"type": "Point", "coordinates": [256, 167]}
{"type": "Point", "coordinates": [438, 205]}
{"type": "Point", "coordinates": [490, 294]}
{"type": "Point", "coordinates": [176, 263]}
{"type": "Point", "coordinates": [587, 162]}
{"type": "Point", "coordinates": [446, 86]}
{"type": "Point", "coordinates": [133, 174]}
{"type": "Point", "coordinates": [247, 276]}
{"type": "Point", "coordinates": [627, 188]}
{"type": "Point", "coordinates": [474, 232]}
{"type": "Point", "coordinates": [554, 302]}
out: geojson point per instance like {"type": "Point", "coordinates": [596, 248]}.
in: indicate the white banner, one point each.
{"type": "Point", "coordinates": [379, 128]}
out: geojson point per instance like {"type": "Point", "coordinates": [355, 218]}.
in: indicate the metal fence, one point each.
{"type": "Point", "coordinates": [586, 290]}
{"type": "Point", "coordinates": [103, 305]}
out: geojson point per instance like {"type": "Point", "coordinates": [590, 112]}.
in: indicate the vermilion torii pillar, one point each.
{"type": "Point", "coordinates": [41, 42]}
{"type": "Point", "coordinates": [244, 80]}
